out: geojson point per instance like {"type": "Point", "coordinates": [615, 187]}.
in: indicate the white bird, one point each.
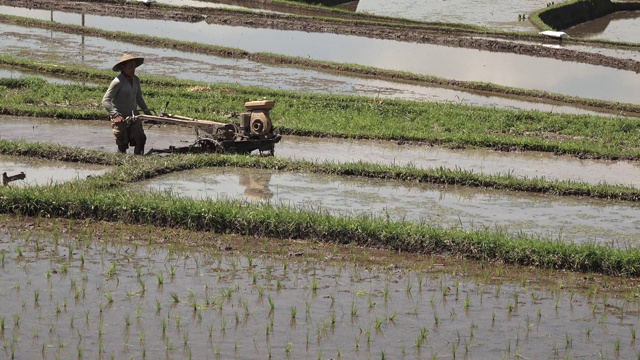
{"type": "Point", "coordinates": [147, 2]}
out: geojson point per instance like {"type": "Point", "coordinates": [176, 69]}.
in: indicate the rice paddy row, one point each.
{"type": "Point", "coordinates": [451, 125]}
{"type": "Point", "coordinates": [137, 169]}
{"type": "Point", "coordinates": [103, 198]}
{"type": "Point", "coordinates": [98, 291]}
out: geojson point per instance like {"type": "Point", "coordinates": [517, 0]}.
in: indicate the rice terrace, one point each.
{"type": "Point", "coordinates": [332, 180]}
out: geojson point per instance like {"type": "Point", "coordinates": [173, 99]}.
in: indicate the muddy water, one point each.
{"type": "Point", "coordinates": [621, 26]}
{"type": "Point", "coordinates": [527, 164]}
{"type": "Point", "coordinates": [66, 297]}
{"type": "Point", "coordinates": [46, 172]}
{"type": "Point", "coordinates": [568, 78]}
{"type": "Point", "coordinates": [61, 48]}
{"type": "Point", "coordinates": [17, 74]}
{"type": "Point", "coordinates": [503, 15]}
{"type": "Point", "coordinates": [97, 135]}
{"type": "Point", "coordinates": [574, 220]}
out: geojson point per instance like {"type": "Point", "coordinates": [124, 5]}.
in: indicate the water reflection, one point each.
{"type": "Point", "coordinates": [256, 185]}
{"type": "Point", "coordinates": [580, 220]}
{"type": "Point", "coordinates": [23, 171]}
{"type": "Point", "coordinates": [520, 71]}
{"type": "Point", "coordinates": [61, 48]}
{"type": "Point", "coordinates": [97, 135]}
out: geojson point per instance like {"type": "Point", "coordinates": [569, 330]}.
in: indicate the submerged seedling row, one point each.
{"type": "Point", "coordinates": [76, 296]}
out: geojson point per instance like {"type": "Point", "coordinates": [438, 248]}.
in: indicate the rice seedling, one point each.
{"type": "Point", "coordinates": [175, 297]}
{"type": "Point", "coordinates": [568, 340]}
{"type": "Point", "coordinates": [111, 271]}
{"type": "Point", "coordinates": [378, 323]}
{"type": "Point", "coordinates": [36, 296]}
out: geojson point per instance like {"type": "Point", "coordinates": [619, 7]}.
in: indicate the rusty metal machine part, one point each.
{"type": "Point", "coordinates": [257, 121]}
{"type": "Point", "coordinates": [254, 131]}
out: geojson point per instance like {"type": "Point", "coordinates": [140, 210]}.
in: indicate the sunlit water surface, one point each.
{"type": "Point", "coordinates": [521, 71]}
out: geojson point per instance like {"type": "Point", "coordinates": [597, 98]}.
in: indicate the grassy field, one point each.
{"type": "Point", "coordinates": [454, 125]}
{"type": "Point", "coordinates": [446, 124]}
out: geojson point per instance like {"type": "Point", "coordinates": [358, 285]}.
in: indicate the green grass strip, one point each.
{"type": "Point", "coordinates": [326, 66]}
{"type": "Point", "coordinates": [77, 201]}
{"type": "Point", "coordinates": [319, 115]}
{"type": "Point", "coordinates": [132, 169]}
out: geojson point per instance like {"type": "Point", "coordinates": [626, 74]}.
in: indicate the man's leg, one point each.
{"type": "Point", "coordinates": [138, 137]}
{"type": "Point", "coordinates": [121, 134]}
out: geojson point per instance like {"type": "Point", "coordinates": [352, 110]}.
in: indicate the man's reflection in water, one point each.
{"type": "Point", "coordinates": [257, 185]}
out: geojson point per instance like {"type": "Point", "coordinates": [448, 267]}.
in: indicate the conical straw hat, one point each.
{"type": "Point", "coordinates": [125, 58]}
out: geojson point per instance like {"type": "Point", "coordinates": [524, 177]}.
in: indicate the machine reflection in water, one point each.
{"type": "Point", "coordinates": [256, 186]}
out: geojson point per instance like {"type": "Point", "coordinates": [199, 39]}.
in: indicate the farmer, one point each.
{"type": "Point", "coordinates": [121, 101]}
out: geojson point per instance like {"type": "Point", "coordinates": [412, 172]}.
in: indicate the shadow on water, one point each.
{"type": "Point", "coordinates": [620, 26]}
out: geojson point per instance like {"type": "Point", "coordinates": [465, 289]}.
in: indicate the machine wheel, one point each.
{"type": "Point", "coordinates": [209, 146]}
{"type": "Point", "coordinates": [270, 151]}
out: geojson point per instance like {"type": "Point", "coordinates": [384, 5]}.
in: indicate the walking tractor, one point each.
{"type": "Point", "coordinates": [253, 132]}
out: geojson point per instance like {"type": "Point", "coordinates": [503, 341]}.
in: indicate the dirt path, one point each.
{"type": "Point", "coordinates": [340, 23]}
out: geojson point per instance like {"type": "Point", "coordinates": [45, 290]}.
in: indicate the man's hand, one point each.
{"type": "Point", "coordinates": [117, 119]}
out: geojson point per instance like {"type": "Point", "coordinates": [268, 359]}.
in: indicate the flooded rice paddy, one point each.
{"type": "Point", "coordinates": [76, 296]}
{"type": "Point", "coordinates": [79, 295]}
{"type": "Point", "coordinates": [97, 135]}
{"type": "Point", "coordinates": [567, 219]}
{"type": "Point", "coordinates": [491, 14]}
{"type": "Point", "coordinates": [46, 172]}
{"type": "Point", "coordinates": [561, 77]}
{"type": "Point", "coordinates": [61, 48]}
